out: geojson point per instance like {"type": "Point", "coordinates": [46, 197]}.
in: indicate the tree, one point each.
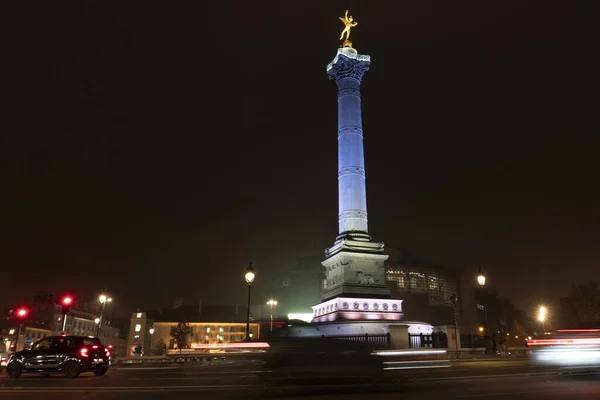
{"type": "Point", "coordinates": [581, 309]}
{"type": "Point", "coordinates": [161, 348]}
{"type": "Point", "coordinates": [180, 333]}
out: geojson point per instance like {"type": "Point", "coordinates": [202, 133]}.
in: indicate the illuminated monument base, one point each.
{"type": "Point", "coordinates": [357, 309]}
{"type": "Point", "coordinates": [333, 329]}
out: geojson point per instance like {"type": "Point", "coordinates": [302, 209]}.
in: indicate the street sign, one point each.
{"type": "Point", "coordinates": [28, 341]}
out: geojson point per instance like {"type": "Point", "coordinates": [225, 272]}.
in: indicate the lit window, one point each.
{"type": "Point", "coordinates": [138, 327]}
{"type": "Point", "coordinates": [434, 283]}
{"type": "Point", "coordinates": [139, 315]}
{"type": "Point", "coordinates": [324, 283]}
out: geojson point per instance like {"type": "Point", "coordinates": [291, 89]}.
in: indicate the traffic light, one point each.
{"type": "Point", "coordinates": [67, 303]}
{"type": "Point", "coordinates": [21, 313]}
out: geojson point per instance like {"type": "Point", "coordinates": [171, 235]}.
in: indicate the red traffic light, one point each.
{"type": "Point", "coordinates": [21, 312]}
{"type": "Point", "coordinates": [67, 300]}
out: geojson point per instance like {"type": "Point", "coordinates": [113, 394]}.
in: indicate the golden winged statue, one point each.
{"type": "Point", "coordinates": [349, 22]}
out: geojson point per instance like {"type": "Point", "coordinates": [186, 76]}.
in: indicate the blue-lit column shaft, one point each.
{"type": "Point", "coordinates": [352, 196]}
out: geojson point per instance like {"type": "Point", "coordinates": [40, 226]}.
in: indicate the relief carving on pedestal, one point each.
{"type": "Point", "coordinates": [365, 279]}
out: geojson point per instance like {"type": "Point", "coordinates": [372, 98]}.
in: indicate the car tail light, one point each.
{"type": "Point", "coordinates": [2, 358]}
{"type": "Point", "coordinates": [95, 346]}
{"type": "Point", "coordinates": [107, 352]}
{"type": "Point", "coordinates": [84, 352]}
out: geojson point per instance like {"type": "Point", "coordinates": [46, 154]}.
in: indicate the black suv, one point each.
{"type": "Point", "coordinates": [71, 355]}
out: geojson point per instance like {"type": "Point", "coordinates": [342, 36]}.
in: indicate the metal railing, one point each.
{"type": "Point", "coordinates": [382, 341]}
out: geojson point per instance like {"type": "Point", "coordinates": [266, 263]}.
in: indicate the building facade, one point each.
{"type": "Point", "coordinates": [150, 332]}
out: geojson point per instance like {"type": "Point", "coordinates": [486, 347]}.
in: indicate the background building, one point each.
{"type": "Point", "coordinates": [209, 324]}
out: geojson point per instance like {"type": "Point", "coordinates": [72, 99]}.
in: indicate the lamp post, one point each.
{"type": "Point", "coordinates": [249, 276]}
{"type": "Point", "coordinates": [151, 332]}
{"type": "Point", "coordinates": [454, 303]}
{"type": "Point", "coordinates": [481, 279]}
{"type": "Point", "coordinates": [103, 299]}
{"type": "Point", "coordinates": [272, 303]}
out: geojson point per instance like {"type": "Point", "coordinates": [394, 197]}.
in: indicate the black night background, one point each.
{"type": "Point", "coordinates": [154, 148]}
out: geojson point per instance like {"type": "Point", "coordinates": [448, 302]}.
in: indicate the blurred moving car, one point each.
{"type": "Point", "coordinates": [70, 355]}
{"type": "Point", "coordinates": [567, 347]}
{"type": "Point", "coordinates": [321, 359]}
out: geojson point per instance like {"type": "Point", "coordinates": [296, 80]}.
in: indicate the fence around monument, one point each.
{"type": "Point", "coordinates": [380, 341]}
{"type": "Point", "coordinates": [431, 341]}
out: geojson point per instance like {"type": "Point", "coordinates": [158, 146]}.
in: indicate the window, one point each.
{"type": "Point", "coordinates": [139, 315]}
{"type": "Point", "coordinates": [138, 327]}
{"type": "Point", "coordinates": [417, 282]}
{"type": "Point", "coordinates": [325, 283]}
{"type": "Point", "coordinates": [434, 283]}
{"type": "Point", "coordinates": [43, 344]}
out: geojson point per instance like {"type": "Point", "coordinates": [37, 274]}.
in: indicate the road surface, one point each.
{"type": "Point", "coordinates": [503, 379]}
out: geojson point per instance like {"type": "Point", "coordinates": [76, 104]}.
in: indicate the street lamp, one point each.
{"type": "Point", "coordinates": [103, 299]}
{"type": "Point", "coordinates": [249, 276]}
{"type": "Point", "coordinates": [151, 332]}
{"type": "Point", "coordinates": [480, 277]}
{"type": "Point", "coordinates": [272, 303]}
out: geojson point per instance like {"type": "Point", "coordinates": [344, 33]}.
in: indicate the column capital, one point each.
{"type": "Point", "coordinates": [347, 64]}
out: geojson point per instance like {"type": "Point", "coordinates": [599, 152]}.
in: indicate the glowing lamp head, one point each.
{"type": "Point", "coordinates": [481, 279]}
{"type": "Point", "coordinates": [21, 312]}
{"type": "Point", "coordinates": [102, 298]}
{"type": "Point", "coordinates": [480, 276]}
{"type": "Point", "coordinates": [250, 274]}
{"type": "Point", "coordinates": [67, 300]}
{"type": "Point", "coordinates": [151, 330]}
{"type": "Point", "coordinates": [481, 329]}
{"type": "Point", "coordinates": [542, 314]}
{"type": "Point", "coordinates": [97, 321]}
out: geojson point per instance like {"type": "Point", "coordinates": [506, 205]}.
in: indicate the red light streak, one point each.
{"type": "Point", "coordinates": [546, 342]}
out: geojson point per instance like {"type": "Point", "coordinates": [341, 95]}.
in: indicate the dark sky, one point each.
{"type": "Point", "coordinates": [154, 148]}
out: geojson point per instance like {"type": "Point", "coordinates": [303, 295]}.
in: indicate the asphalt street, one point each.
{"type": "Point", "coordinates": [516, 379]}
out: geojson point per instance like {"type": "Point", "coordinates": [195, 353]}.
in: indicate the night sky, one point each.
{"type": "Point", "coordinates": [154, 148]}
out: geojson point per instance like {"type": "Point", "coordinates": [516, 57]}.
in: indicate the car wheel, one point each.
{"type": "Point", "coordinates": [14, 369]}
{"type": "Point", "coordinates": [101, 372]}
{"type": "Point", "coordinates": [72, 369]}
